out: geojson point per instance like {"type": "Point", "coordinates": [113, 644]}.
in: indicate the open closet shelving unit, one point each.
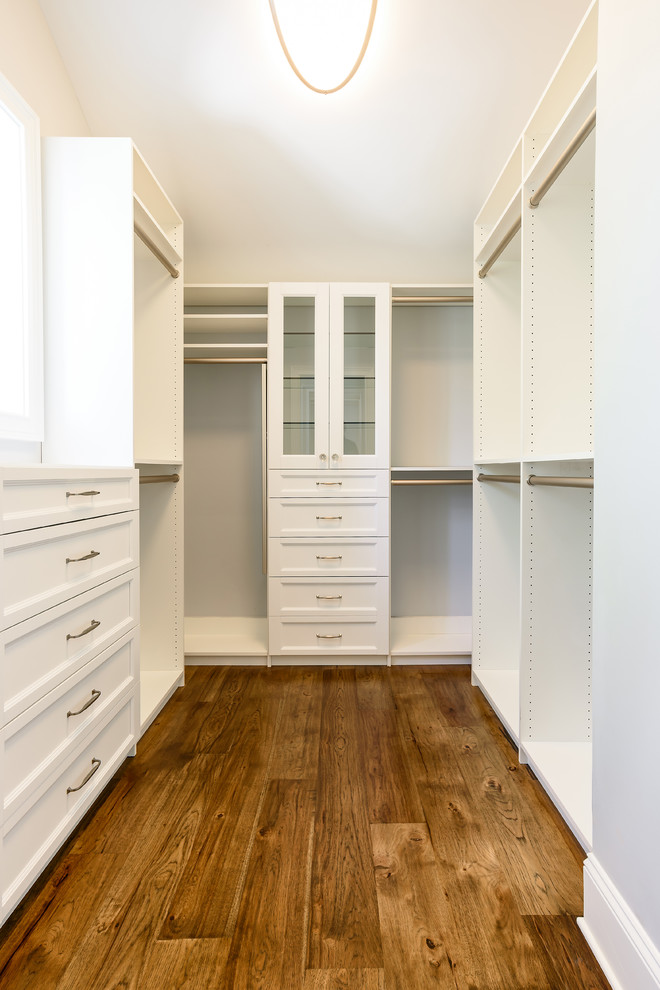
{"type": "Point", "coordinates": [431, 473]}
{"type": "Point", "coordinates": [533, 502]}
{"type": "Point", "coordinates": [225, 436]}
{"type": "Point", "coordinates": [113, 254]}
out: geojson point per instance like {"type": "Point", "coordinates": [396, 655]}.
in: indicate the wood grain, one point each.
{"type": "Point", "coordinates": [312, 829]}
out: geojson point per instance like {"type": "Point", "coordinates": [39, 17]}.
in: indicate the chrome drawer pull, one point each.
{"type": "Point", "coordinates": [328, 636]}
{"type": "Point", "coordinates": [94, 624]}
{"type": "Point", "coordinates": [329, 598]}
{"type": "Point", "coordinates": [80, 494]}
{"type": "Point", "coordinates": [88, 556]}
{"type": "Point", "coordinates": [329, 518]}
{"type": "Point", "coordinates": [95, 765]}
{"type": "Point", "coordinates": [95, 697]}
{"type": "Point", "coordinates": [329, 482]}
{"type": "Point", "coordinates": [337, 557]}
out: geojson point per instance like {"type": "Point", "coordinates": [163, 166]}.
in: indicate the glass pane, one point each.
{"type": "Point", "coordinates": [298, 435]}
{"type": "Point", "coordinates": [359, 375]}
{"type": "Point", "coordinates": [13, 337]}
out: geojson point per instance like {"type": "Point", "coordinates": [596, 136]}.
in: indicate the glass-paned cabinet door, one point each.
{"type": "Point", "coordinates": [298, 375]}
{"type": "Point", "coordinates": [359, 375]}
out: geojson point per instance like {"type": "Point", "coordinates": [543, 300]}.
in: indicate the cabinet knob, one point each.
{"type": "Point", "coordinates": [335, 457]}
{"type": "Point", "coordinates": [323, 457]}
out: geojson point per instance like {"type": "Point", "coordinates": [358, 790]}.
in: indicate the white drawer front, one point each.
{"type": "Point", "coordinates": [41, 568]}
{"type": "Point", "coordinates": [30, 839]}
{"type": "Point", "coordinates": [328, 597]}
{"type": "Point", "coordinates": [354, 484]}
{"type": "Point", "coordinates": [38, 654]}
{"type": "Point", "coordinates": [45, 733]}
{"type": "Point", "coordinates": [309, 636]}
{"type": "Point", "coordinates": [342, 558]}
{"type": "Point", "coordinates": [329, 517]}
{"type": "Point", "coordinates": [45, 496]}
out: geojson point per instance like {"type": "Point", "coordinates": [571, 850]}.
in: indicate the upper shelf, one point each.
{"type": "Point", "coordinates": [225, 296]}
{"type": "Point", "coordinates": [149, 230]}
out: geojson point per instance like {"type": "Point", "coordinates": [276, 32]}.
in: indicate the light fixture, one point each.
{"type": "Point", "coordinates": [306, 8]}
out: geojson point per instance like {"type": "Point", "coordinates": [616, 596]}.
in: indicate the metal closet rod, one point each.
{"type": "Point", "coordinates": [432, 481]}
{"type": "Point", "coordinates": [558, 482]}
{"type": "Point", "coordinates": [504, 243]}
{"type": "Point", "coordinates": [225, 360]}
{"type": "Point", "coordinates": [155, 250]}
{"type": "Point", "coordinates": [430, 300]}
{"type": "Point", "coordinates": [509, 479]}
{"type": "Point", "coordinates": [563, 160]}
{"type": "Point", "coordinates": [157, 479]}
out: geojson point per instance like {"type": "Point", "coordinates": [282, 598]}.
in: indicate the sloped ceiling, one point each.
{"type": "Point", "coordinates": [380, 181]}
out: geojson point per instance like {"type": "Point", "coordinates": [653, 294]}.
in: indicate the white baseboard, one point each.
{"type": "Point", "coordinates": [626, 954]}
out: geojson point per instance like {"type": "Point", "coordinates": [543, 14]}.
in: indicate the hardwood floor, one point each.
{"type": "Point", "coordinates": [311, 829]}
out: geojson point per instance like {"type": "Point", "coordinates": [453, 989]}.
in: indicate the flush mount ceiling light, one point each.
{"type": "Point", "coordinates": [321, 35]}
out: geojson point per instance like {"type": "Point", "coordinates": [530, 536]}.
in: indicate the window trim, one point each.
{"type": "Point", "coordinates": [30, 425]}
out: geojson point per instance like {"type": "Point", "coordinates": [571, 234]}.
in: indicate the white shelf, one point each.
{"type": "Point", "coordinates": [156, 689]}
{"type": "Point", "coordinates": [225, 322]}
{"type": "Point", "coordinates": [502, 689]}
{"type": "Point", "coordinates": [565, 769]}
{"type": "Point", "coordinates": [429, 469]}
{"type": "Point", "coordinates": [510, 215]}
{"type": "Point", "coordinates": [229, 295]}
{"type": "Point", "coordinates": [431, 635]}
{"type": "Point", "coordinates": [150, 228]}
{"type": "Point", "coordinates": [210, 636]}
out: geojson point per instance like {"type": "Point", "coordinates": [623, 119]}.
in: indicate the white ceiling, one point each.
{"type": "Point", "coordinates": [379, 181]}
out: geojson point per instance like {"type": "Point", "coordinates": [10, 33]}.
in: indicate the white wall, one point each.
{"type": "Point", "coordinates": [623, 874]}
{"type": "Point", "coordinates": [31, 62]}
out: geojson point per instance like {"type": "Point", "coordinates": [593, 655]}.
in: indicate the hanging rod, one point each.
{"type": "Point", "coordinates": [156, 251]}
{"type": "Point", "coordinates": [225, 360]}
{"type": "Point", "coordinates": [156, 479]}
{"type": "Point", "coordinates": [430, 300]}
{"type": "Point", "coordinates": [504, 243]}
{"type": "Point", "coordinates": [563, 160]}
{"type": "Point", "coordinates": [535, 479]}
{"type": "Point", "coordinates": [432, 481]}
{"type": "Point", "coordinates": [509, 479]}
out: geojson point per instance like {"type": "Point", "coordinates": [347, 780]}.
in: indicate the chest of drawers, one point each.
{"type": "Point", "coordinates": [69, 644]}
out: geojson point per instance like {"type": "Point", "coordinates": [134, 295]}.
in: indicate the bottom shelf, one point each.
{"type": "Point", "coordinates": [232, 636]}
{"type": "Point", "coordinates": [564, 769]}
{"type": "Point", "coordinates": [502, 690]}
{"type": "Point", "coordinates": [431, 635]}
{"type": "Point", "coordinates": [156, 689]}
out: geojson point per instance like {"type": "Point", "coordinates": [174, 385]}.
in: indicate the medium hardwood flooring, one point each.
{"type": "Point", "coordinates": [307, 829]}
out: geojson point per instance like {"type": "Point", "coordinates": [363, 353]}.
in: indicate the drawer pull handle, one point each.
{"type": "Point", "coordinates": [94, 624]}
{"type": "Point", "coordinates": [329, 598]}
{"type": "Point", "coordinates": [329, 518]}
{"type": "Point", "coordinates": [80, 494]}
{"type": "Point", "coordinates": [95, 765]}
{"type": "Point", "coordinates": [329, 483]}
{"type": "Point", "coordinates": [95, 697]}
{"type": "Point", "coordinates": [328, 557]}
{"type": "Point", "coordinates": [88, 556]}
{"type": "Point", "coordinates": [328, 636]}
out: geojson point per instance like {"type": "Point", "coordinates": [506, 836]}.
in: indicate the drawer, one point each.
{"type": "Point", "coordinates": [355, 484]}
{"type": "Point", "coordinates": [328, 597]}
{"type": "Point", "coordinates": [329, 517]}
{"type": "Point", "coordinates": [35, 497]}
{"type": "Point", "coordinates": [325, 637]}
{"type": "Point", "coordinates": [44, 567]}
{"type": "Point", "coordinates": [39, 653]}
{"type": "Point", "coordinates": [344, 558]}
{"type": "Point", "coordinates": [46, 733]}
{"type": "Point", "coordinates": [31, 838]}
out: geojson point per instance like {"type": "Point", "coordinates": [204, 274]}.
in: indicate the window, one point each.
{"type": "Point", "coordinates": [21, 357]}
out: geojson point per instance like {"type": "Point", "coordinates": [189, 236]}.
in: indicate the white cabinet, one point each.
{"type": "Point", "coordinates": [534, 383]}
{"type": "Point", "coordinates": [328, 356]}
{"type": "Point", "coordinates": [328, 455]}
{"type": "Point", "coordinates": [113, 316]}
{"type": "Point", "coordinates": [69, 646]}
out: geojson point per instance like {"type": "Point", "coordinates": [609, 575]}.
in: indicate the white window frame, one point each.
{"type": "Point", "coordinates": [30, 424]}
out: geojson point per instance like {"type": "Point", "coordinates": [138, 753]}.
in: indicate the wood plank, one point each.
{"type": "Point", "coordinates": [374, 691]}
{"type": "Point", "coordinates": [296, 749]}
{"type": "Point", "coordinates": [186, 964]}
{"type": "Point", "coordinates": [344, 979]}
{"type": "Point", "coordinates": [267, 950]}
{"type": "Point", "coordinates": [391, 793]}
{"type": "Point", "coordinates": [426, 739]}
{"type": "Point", "coordinates": [564, 954]}
{"type": "Point", "coordinates": [457, 703]}
{"type": "Point", "coordinates": [344, 924]}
